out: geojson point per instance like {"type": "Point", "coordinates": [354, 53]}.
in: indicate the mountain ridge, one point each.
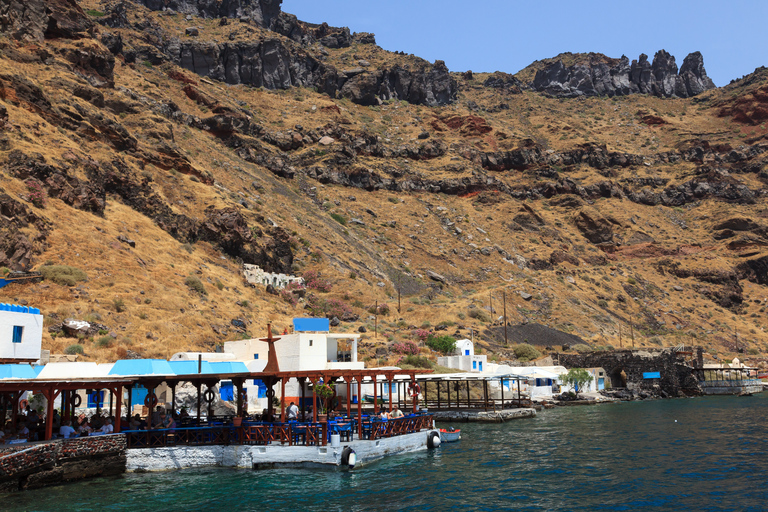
{"type": "Point", "coordinates": [588, 214]}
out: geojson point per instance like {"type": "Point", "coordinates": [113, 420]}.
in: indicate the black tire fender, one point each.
{"type": "Point", "coordinates": [433, 440]}
{"type": "Point", "coordinates": [348, 457]}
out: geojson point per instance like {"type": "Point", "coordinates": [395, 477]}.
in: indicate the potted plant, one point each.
{"type": "Point", "coordinates": [323, 392]}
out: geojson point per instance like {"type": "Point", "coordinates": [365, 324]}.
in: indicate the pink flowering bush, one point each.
{"type": "Point", "coordinates": [422, 334]}
{"type": "Point", "coordinates": [406, 348]}
{"type": "Point", "coordinates": [313, 281]}
{"type": "Point", "coordinates": [36, 193]}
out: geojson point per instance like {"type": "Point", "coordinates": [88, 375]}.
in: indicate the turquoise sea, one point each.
{"type": "Point", "coordinates": [705, 454]}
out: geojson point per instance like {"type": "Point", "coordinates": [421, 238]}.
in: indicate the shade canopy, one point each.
{"type": "Point", "coordinates": [17, 371]}
{"type": "Point", "coordinates": [142, 367]}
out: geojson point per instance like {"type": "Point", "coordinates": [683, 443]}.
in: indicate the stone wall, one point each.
{"type": "Point", "coordinates": [29, 466]}
{"type": "Point", "coordinates": [677, 377]}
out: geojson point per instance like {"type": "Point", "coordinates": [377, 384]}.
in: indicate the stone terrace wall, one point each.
{"type": "Point", "coordinates": [31, 466]}
{"type": "Point", "coordinates": [676, 378]}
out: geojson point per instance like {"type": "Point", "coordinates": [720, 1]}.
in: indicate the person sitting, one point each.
{"type": "Point", "coordinates": [97, 421]}
{"type": "Point", "coordinates": [384, 416]}
{"type": "Point", "coordinates": [156, 415]}
{"type": "Point", "coordinates": [183, 415]}
{"type": "Point", "coordinates": [107, 428]}
{"type": "Point", "coordinates": [23, 430]}
{"type": "Point", "coordinates": [56, 419]}
{"type": "Point", "coordinates": [397, 413]}
{"type": "Point", "coordinates": [292, 412]}
{"type": "Point", "coordinates": [163, 420]}
{"type": "Point", "coordinates": [84, 428]}
{"type": "Point", "coordinates": [66, 430]}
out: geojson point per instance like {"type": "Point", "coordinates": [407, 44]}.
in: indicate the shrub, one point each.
{"type": "Point", "coordinates": [381, 309]}
{"type": "Point", "coordinates": [339, 218]}
{"type": "Point", "coordinates": [94, 13]}
{"type": "Point", "coordinates": [581, 348]}
{"type": "Point", "coordinates": [74, 349]}
{"type": "Point", "coordinates": [417, 361]}
{"type": "Point", "coordinates": [405, 347]}
{"type": "Point", "coordinates": [119, 304]}
{"type": "Point", "coordinates": [104, 341]}
{"type": "Point", "coordinates": [314, 281]}
{"type": "Point", "coordinates": [219, 285]}
{"type": "Point", "coordinates": [195, 284]}
{"type": "Point", "coordinates": [327, 308]}
{"type": "Point", "coordinates": [479, 314]}
{"type": "Point", "coordinates": [631, 280]}
{"type": "Point", "coordinates": [444, 344]}
{"type": "Point", "coordinates": [288, 297]}
{"type": "Point", "coordinates": [36, 193]}
{"type": "Point", "coordinates": [336, 307]}
{"type": "Point", "coordinates": [63, 274]}
{"type": "Point", "coordinates": [4, 270]}
{"type": "Point", "coordinates": [422, 334]}
{"type": "Point", "coordinates": [525, 352]}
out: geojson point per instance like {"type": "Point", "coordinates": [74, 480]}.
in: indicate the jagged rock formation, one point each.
{"type": "Point", "coordinates": [263, 12]}
{"type": "Point", "coordinates": [598, 78]}
{"type": "Point", "coordinates": [272, 64]}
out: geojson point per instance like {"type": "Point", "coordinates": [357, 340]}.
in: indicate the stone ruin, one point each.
{"type": "Point", "coordinates": [256, 276]}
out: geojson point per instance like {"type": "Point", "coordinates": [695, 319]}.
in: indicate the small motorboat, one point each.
{"type": "Point", "coordinates": [450, 435]}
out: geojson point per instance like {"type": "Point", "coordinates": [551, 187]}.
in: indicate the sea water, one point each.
{"type": "Point", "coordinates": [683, 454]}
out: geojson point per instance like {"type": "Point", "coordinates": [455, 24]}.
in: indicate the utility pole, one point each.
{"type": "Point", "coordinates": [376, 323]}
{"type": "Point", "coordinates": [506, 340]}
{"type": "Point", "coordinates": [620, 344]}
{"type": "Point", "coordinates": [490, 302]}
{"type": "Point", "coordinates": [632, 331]}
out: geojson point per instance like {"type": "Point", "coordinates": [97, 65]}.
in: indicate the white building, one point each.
{"type": "Point", "coordinates": [21, 334]}
{"type": "Point", "coordinates": [464, 358]}
{"type": "Point", "coordinates": [303, 350]}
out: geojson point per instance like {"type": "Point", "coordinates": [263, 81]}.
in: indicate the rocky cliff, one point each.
{"type": "Point", "coordinates": [263, 12]}
{"type": "Point", "coordinates": [599, 78]}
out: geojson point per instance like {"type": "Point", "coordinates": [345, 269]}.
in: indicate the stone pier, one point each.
{"type": "Point", "coordinates": [34, 465]}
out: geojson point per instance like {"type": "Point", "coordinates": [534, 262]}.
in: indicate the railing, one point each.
{"type": "Point", "coordinates": [477, 403]}
{"type": "Point", "coordinates": [291, 434]}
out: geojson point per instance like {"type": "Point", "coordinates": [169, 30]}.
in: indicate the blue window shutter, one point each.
{"type": "Point", "coordinates": [255, 356]}
{"type": "Point", "coordinates": [474, 365]}
{"type": "Point", "coordinates": [466, 352]}
{"type": "Point", "coordinates": [18, 332]}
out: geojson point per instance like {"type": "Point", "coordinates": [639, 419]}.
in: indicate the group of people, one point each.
{"type": "Point", "coordinates": [30, 426]}
{"type": "Point", "coordinates": [386, 415]}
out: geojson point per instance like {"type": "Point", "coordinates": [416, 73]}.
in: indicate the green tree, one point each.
{"type": "Point", "coordinates": [444, 344]}
{"type": "Point", "coordinates": [576, 378]}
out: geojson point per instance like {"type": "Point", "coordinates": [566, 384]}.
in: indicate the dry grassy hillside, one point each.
{"type": "Point", "coordinates": [592, 216]}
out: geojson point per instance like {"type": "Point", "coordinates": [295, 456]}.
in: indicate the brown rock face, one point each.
{"type": "Point", "coordinates": [35, 20]}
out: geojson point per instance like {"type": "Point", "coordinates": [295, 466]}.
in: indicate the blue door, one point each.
{"type": "Point", "coordinates": [480, 366]}
{"type": "Point", "coordinates": [600, 383]}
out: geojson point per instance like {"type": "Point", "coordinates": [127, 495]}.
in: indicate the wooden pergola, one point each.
{"type": "Point", "coordinates": [458, 381]}
{"type": "Point", "coordinates": [209, 380]}
{"type": "Point", "coordinates": [360, 377]}
{"type": "Point", "coordinates": [65, 390]}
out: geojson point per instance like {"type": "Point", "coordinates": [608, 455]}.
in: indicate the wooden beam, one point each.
{"type": "Point", "coordinates": [118, 408]}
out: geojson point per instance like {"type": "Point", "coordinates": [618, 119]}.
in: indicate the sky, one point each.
{"type": "Point", "coordinates": [507, 35]}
